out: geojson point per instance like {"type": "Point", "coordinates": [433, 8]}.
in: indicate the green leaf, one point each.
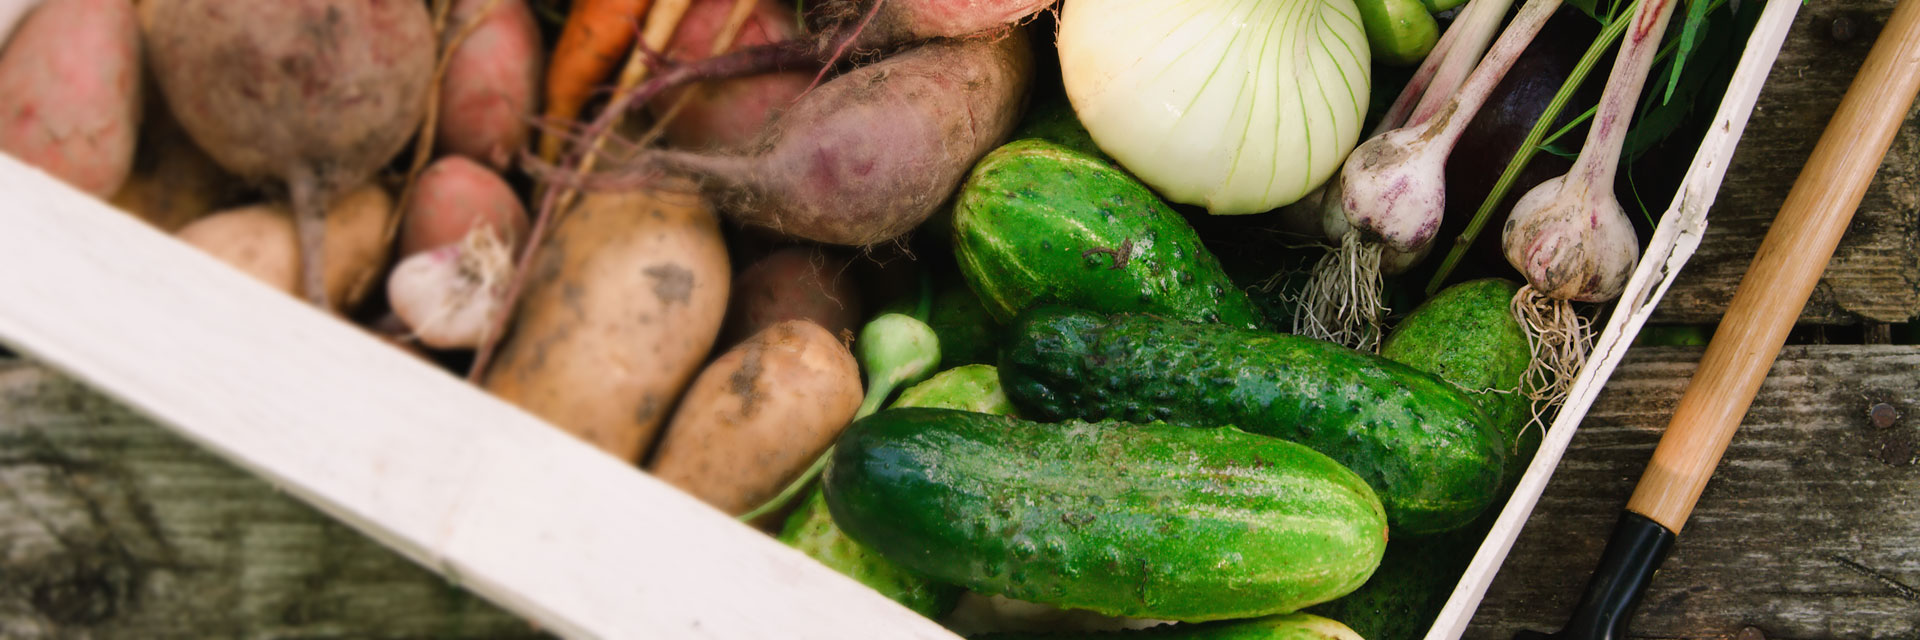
{"type": "Point", "coordinates": [1696, 20]}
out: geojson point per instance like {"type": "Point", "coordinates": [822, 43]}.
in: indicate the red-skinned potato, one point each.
{"type": "Point", "coordinates": [70, 92]}
{"type": "Point", "coordinates": [795, 283]}
{"type": "Point", "coordinates": [453, 196]}
{"type": "Point", "coordinates": [487, 97]}
{"type": "Point", "coordinates": [729, 114]}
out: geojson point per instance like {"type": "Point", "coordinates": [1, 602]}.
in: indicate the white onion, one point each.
{"type": "Point", "coordinates": [1240, 107]}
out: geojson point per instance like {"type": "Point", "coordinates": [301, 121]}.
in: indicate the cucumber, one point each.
{"type": "Point", "coordinates": [812, 531]}
{"type": "Point", "coordinates": [1400, 32]}
{"type": "Point", "coordinates": [974, 387]}
{"type": "Point", "coordinates": [1418, 440]}
{"type": "Point", "coordinates": [1145, 521]}
{"type": "Point", "coordinates": [1037, 222]}
{"type": "Point", "coordinates": [1293, 626]}
{"type": "Point", "coordinates": [811, 528]}
{"type": "Point", "coordinates": [1401, 600]}
{"type": "Point", "coordinates": [1466, 335]}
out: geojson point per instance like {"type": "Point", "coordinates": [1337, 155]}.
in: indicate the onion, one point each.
{"type": "Point", "coordinates": [1240, 107]}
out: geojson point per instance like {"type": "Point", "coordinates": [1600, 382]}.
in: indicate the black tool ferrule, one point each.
{"type": "Point", "coordinates": [1635, 550]}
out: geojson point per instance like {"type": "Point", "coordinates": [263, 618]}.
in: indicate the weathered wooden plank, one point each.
{"type": "Point", "coordinates": [1875, 273]}
{"type": "Point", "coordinates": [1810, 528]}
{"type": "Point", "coordinates": [112, 527]}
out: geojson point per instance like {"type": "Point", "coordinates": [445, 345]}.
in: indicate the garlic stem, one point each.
{"type": "Point", "coordinates": [1477, 25]}
{"type": "Point", "coordinates": [1599, 158]}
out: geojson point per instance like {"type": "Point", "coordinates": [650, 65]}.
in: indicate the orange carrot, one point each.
{"type": "Point", "coordinates": [595, 39]}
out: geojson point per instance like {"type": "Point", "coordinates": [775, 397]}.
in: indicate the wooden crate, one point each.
{"type": "Point", "coordinates": [483, 495]}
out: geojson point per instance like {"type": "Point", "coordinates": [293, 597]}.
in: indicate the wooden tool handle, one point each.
{"type": "Point", "coordinates": [1783, 274]}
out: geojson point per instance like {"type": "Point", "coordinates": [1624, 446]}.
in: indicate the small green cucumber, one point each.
{"type": "Point", "coordinates": [1401, 600]}
{"type": "Point", "coordinates": [1037, 222]}
{"type": "Point", "coordinates": [1466, 335]}
{"type": "Point", "coordinates": [1145, 521]}
{"type": "Point", "coordinates": [1292, 626]}
{"type": "Point", "coordinates": [974, 387]}
{"type": "Point", "coordinates": [1418, 440]}
{"type": "Point", "coordinates": [812, 530]}
{"type": "Point", "coordinates": [1400, 32]}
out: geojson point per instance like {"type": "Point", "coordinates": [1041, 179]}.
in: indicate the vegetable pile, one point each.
{"type": "Point", "coordinates": [1038, 318]}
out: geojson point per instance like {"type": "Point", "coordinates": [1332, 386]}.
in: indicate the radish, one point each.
{"type": "Point", "coordinates": [1569, 236]}
{"type": "Point", "coordinates": [314, 94]}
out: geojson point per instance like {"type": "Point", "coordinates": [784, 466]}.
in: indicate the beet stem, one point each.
{"type": "Point", "coordinates": [310, 231]}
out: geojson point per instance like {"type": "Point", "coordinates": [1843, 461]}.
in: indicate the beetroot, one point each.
{"type": "Point", "coordinates": [316, 94]}
{"type": "Point", "coordinates": [868, 156]}
{"type": "Point", "coordinates": [899, 21]}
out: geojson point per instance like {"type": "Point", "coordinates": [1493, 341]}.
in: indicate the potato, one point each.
{"type": "Point", "coordinates": [173, 181]}
{"type": "Point", "coordinates": [70, 92]}
{"type": "Point", "coordinates": [454, 195]}
{"type": "Point", "coordinates": [808, 283]}
{"type": "Point", "coordinates": [260, 240]}
{"type": "Point", "coordinates": [759, 416]}
{"type": "Point", "coordinates": [618, 314]}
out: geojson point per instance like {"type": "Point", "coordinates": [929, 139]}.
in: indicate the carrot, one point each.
{"type": "Point", "coordinates": [595, 38]}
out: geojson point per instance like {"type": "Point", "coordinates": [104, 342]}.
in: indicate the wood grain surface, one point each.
{"type": "Point", "coordinates": [112, 527]}
{"type": "Point", "coordinates": [1810, 528]}
{"type": "Point", "coordinates": [1875, 273]}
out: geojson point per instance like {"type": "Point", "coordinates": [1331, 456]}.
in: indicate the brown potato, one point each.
{"type": "Point", "coordinates": [759, 415]}
{"type": "Point", "coordinates": [809, 283]}
{"type": "Point", "coordinates": [260, 240]}
{"type": "Point", "coordinates": [619, 312]}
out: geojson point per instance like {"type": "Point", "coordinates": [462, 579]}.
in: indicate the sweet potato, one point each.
{"type": "Point", "coordinates": [804, 283]}
{"type": "Point", "coordinates": [759, 415]}
{"type": "Point", "coordinates": [316, 94]}
{"type": "Point", "coordinates": [454, 195]}
{"type": "Point", "coordinates": [620, 310]}
{"type": "Point", "coordinates": [729, 114]}
{"type": "Point", "coordinates": [871, 154]}
{"type": "Point", "coordinates": [70, 92]}
{"type": "Point", "coordinates": [487, 96]}
{"type": "Point", "coordinates": [261, 241]}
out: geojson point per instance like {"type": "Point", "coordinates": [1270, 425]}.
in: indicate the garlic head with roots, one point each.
{"type": "Point", "coordinates": [1393, 188]}
{"type": "Point", "coordinates": [1571, 243]}
{"type": "Point", "coordinates": [447, 296]}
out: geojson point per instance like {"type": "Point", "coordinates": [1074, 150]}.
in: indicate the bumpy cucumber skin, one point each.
{"type": "Point", "coordinates": [1415, 438]}
{"type": "Point", "coordinates": [1466, 335]}
{"type": "Point", "coordinates": [1292, 626]}
{"type": "Point", "coordinates": [1037, 222]}
{"type": "Point", "coordinates": [1151, 521]}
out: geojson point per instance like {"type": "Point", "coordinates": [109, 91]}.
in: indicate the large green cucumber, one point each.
{"type": "Point", "coordinates": [1037, 222]}
{"type": "Point", "coordinates": [1147, 521]}
{"type": "Point", "coordinates": [1293, 626]}
{"type": "Point", "coordinates": [1418, 440]}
